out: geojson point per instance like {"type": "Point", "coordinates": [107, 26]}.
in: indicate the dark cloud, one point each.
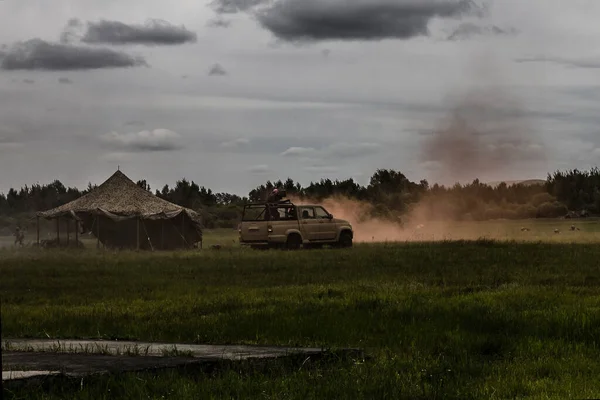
{"type": "Point", "coordinates": [65, 81]}
{"type": "Point", "coordinates": [312, 20]}
{"type": "Point", "coordinates": [29, 81]}
{"type": "Point", "coordinates": [144, 141]}
{"type": "Point", "coordinates": [154, 32]}
{"type": "Point", "coordinates": [37, 54]}
{"type": "Point", "coordinates": [219, 23]}
{"type": "Point", "coordinates": [568, 62]}
{"type": "Point", "coordinates": [217, 70]}
{"type": "Point", "coordinates": [234, 6]}
{"type": "Point", "coordinates": [468, 29]}
{"type": "Point", "coordinates": [325, 52]}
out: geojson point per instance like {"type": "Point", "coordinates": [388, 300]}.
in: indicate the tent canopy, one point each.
{"type": "Point", "coordinates": [120, 200]}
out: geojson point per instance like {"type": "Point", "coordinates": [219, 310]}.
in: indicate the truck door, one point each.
{"type": "Point", "coordinates": [309, 225]}
{"type": "Point", "coordinates": [327, 228]}
{"type": "Point", "coordinates": [253, 227]}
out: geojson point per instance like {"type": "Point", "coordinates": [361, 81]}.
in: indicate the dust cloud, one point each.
{"type": "Point", "coordinates": [411, 227]}
{"type": "Point", "coordinates": [366, 228]}
{"type": "Point", "coordinates": [419, 224]}
{"type": "Point", "coordinates": [486, 133]}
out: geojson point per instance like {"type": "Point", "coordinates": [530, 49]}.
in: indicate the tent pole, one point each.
{"type": "Point", "coordinates": [148, 237]}
{"type": "Point", "coordinates": [183, 228]}
{"type": "Point", "coordinates": [58, 230]}
{"type": "Point", "coordinates": [177, 230]}
{"type": "Point", "coordinates": [138, 234]}
{"type": "Point", "coordinates": [38, 230]}
{"type": "Point", "coordinates": [162, 234]}
{"type": "Point", "coordinates": [98, 230]}
{"type": "Point", "coordinates": [77, 233]}
{"type": "Point", "coordinates": [68, 228]}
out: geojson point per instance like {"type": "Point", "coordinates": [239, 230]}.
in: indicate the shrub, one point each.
{"type": "Point", "coordinates": [551, 210]}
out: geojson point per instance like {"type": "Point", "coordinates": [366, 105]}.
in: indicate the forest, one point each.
{"type": "Point", "coordinates": [389, 194]}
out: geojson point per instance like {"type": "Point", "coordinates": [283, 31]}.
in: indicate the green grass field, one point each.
{"type": "Point", "coordinates": [456, 319]}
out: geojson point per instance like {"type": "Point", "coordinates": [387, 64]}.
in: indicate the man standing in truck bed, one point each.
{"type": "Point", "coordinates": [275, 196]}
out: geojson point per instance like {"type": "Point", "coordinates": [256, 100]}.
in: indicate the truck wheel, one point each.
{"type": "Point", "coordinates": [294, 242]}
{"type": "Point", "coordinates": [345, 240]}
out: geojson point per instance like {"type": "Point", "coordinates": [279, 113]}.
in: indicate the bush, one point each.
{"type": "Point", "coordinates": [542, 198]}
{"type": "Point", "coordinates": [493, 213]}
{"type": "Point", "coordinates": [551, 210]}
{"type": "Point", "coordinates": [526, 211]}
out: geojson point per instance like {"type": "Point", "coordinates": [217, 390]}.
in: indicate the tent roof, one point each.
{"type": "Point", "coordinates": [120, 197]}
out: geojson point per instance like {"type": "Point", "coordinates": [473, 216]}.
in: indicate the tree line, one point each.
{"type": "Point", "coordinates": [389, 193]}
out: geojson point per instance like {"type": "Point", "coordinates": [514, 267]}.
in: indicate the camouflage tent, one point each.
{"type": "Point", "coordinates": [123, 215]}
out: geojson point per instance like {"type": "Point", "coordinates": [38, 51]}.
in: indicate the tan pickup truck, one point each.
{"type": "Point", "coordinates": [290, 226]}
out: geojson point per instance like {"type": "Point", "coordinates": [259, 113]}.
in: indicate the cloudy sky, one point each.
{"type": "Point", "coordinates": [230, 93]}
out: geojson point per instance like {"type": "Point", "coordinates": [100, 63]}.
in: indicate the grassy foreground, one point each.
{"type": "Point", "coordinates": [441, 320]}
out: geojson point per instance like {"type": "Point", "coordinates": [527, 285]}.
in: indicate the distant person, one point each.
{"type": "Point", "coordinates": [19, 236]}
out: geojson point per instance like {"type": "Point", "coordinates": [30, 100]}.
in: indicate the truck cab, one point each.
{"type": "Point", "coordinates": [284, 224]}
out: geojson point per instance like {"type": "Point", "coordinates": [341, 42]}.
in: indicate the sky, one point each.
{"type": "Point", "coordinates": [231, 93]}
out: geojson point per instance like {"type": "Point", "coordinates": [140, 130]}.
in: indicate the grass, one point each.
{"type": "Point", "coordinates": [461, 319]}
